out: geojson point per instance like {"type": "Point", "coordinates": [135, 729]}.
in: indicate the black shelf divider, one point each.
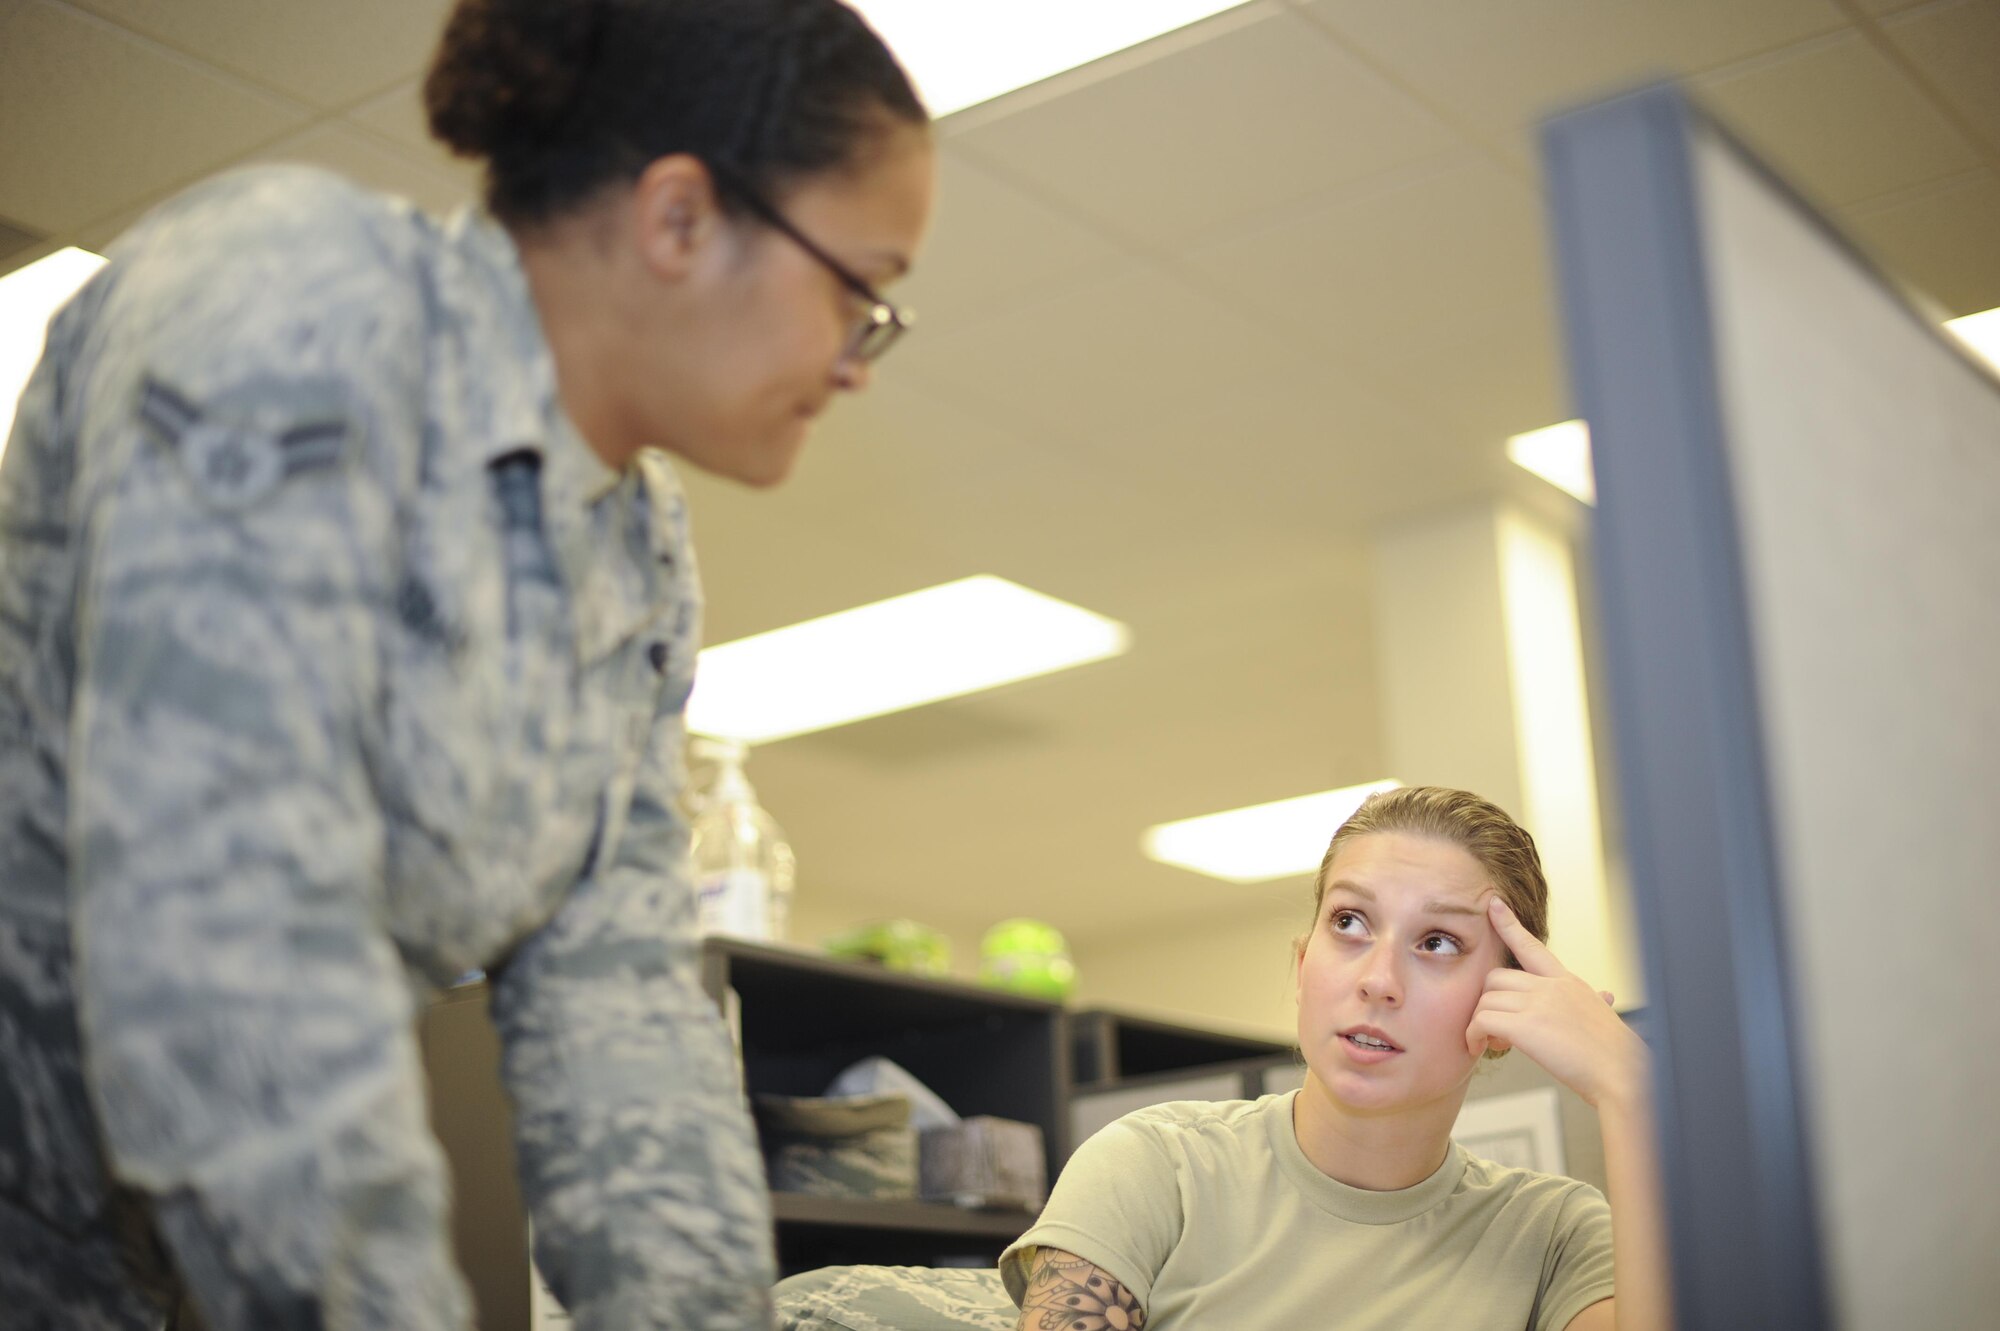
{"type": "Point", "coordinates": [795, 1208]}
{"type": "Point", "coordinates": [1110, 1046]}
{"type": "Point", "coordinates": [803, 1017]}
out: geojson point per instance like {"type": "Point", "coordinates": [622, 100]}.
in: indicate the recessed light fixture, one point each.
{"type": "Point", "coordinates": [1560, 455]}
{"type": "Point", "coordinates": [29, 297]}
{"type": "Point", "coordinates": [1264, 841]}
{"type": "Point", "coordinates": [942, 642]}
{"type": "Point", "coordinates": [1981, 334]}
{"type": "Point", "coordinates": [969, 51]}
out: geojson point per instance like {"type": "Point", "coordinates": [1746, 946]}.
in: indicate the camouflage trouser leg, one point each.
{"type": "Point", "coordinates": [111, 1278]}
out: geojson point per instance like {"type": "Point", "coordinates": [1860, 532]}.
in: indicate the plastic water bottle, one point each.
{"type": "Point", "coordinates": [743, 866]}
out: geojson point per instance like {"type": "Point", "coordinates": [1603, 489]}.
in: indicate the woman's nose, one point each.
{"type": "Point", "coordinates": [1380, 983]}
{"type": "Point", "coordinates": [852, 374]}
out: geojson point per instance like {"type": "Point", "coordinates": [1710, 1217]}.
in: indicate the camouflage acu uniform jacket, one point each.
{"type": "Point", "coordinates": [333, 665]}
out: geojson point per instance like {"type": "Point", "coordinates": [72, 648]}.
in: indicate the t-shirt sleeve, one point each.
{"type": "Point", "coordinates": [1117, 1205]}
{"type": "Point", "coordinates": [1577, 1270]}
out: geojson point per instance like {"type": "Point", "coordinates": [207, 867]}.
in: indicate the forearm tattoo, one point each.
{"type": "Point", "coordinates": [1066, 1293]}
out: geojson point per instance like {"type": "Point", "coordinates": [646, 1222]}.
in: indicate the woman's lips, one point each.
{"type": "Point", "coordinates": [1364, 1045]}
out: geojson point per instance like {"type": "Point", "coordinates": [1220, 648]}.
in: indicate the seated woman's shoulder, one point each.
{"type": "Point", "coordinates": [1524, 1185]}
{"type": "Point", "coordinates": [1186, 1121]}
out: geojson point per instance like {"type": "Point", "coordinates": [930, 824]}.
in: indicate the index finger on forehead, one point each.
{"type": "Point", "coordinates": [1530, 951]}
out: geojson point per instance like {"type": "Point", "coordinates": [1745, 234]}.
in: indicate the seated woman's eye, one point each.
{"type": "Point", "coordinates": [1441, 944]}
{"type": "Point", "coordinates": [1345, 921]}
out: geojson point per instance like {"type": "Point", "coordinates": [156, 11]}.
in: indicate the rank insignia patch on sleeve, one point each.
{"type": "Point", "coordinates": [241, 445]}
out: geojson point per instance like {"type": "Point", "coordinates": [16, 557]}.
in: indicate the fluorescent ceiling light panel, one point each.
{"type": "Point", "coordinates": [29, 297]}
{"type": "Point", "coordinates": [1276, 840]}
{"type": "Point", "coordinates": [961, 52]}
{"type": "Point", "coordinates": [1981, 333]}
{"type": "Point", "coordinates": [942, 642]}
{"type": "Point", "coordinates": [1560, 455]}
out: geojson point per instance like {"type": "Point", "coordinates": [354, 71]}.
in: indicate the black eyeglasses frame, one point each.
{"type": "Point", "coordinates": [883, 322]}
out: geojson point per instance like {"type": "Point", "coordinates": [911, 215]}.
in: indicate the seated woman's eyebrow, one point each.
{"type": "Point", "coordinates": [1440, 907]}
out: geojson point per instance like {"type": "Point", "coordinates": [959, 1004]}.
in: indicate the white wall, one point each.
{"type": "Point", "coordinates": [1232, 973]}
{"type": "Point", "coordinates": [816, 917]}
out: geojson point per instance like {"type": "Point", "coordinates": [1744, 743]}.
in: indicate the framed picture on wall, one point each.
{"type": "Point", "coordinates": [1523, 1129]}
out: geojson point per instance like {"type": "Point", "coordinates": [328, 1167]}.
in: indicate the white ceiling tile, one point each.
{"type": "Point", "coordinates": [1366, 277]}
{"type": "Point", "coordinates": [1104, 362]}
{"type": "Point", "coordinates": [1838, 121]}
{"type": "Point", "coordinates": [398, 115]}
{"type": "Point", "coordinates": [990, 244]}
{"type": "Point", "coordinates": [355, 153]}
{"type": "Point", "coordinates": [1147, 374]}
{"type": "Point", "coordinates": [1941, 240]}
{"type": "Point", "coordinates": [760, 571]}
{"type": "Point", "coordinates": [1957, 47]}
{"type": "Point", "coordinates": [1488, 374]}
{"type": "Point", "coordinates": [1205, 139]}
{"type": "Point", "coordinates": [362, 159]}
{"type": "Point", "coordinates": [1502, 65]}
{"type": "Point", "coordinates": [909, 469]}
{"type": "Point", "coordinates": [325, 55]}
{"type": "Point", "coordinates": [98, 235]}
{"type": "Point", "coordinates": [98, 120]}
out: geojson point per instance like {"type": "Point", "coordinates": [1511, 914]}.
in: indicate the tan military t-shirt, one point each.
{"type": "Point", "coordinates": [1211, 1215]}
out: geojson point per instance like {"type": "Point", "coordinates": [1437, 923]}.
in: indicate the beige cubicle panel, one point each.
{"type": "Point", "coordinates": [1798, 547]}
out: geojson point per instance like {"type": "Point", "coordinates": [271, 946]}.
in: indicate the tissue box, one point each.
{"type": "Point", "coordinates": [984, 1162]}
{"type": "Point", "coordinates": [839, 1146]}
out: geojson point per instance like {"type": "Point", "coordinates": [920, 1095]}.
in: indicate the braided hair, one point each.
{"type": "Point", "coordinates": [560, 98]}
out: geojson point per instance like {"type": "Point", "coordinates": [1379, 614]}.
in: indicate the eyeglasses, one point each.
{"type": "Point", "coordinates": [880, 323]}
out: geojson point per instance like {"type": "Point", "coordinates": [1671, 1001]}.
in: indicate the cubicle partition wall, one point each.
{"type": "Point", "coordinates": [1798, 564]}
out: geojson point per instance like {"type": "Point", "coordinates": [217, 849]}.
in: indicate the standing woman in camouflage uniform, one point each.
{"type": "Point", "coordinates": [346, 621]}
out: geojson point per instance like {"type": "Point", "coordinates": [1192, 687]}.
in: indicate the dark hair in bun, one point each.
{"type": "Point", "coordinates": [562, 97]}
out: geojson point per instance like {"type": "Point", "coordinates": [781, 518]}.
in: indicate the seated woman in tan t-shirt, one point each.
{"type": "Point", "coordinates": [1346, 1204]}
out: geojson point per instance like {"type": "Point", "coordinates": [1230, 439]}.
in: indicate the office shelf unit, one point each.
{"type": "Point", "coordinates": [1110, 1046]}
{"type": "Point", "coordinates": [803, 1017]}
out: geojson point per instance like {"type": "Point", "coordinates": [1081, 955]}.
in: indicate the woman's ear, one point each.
{"type": "Point", "coordinates": [675, 213]}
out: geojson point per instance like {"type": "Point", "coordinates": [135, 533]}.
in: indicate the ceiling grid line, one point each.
{"type": "Point", "coordinates": [315, 120]}
{"type": "Point", "coordinates": [66, 236]}
{"type": "Point", "coordinates": [1388, 73]}
{"type": "Point", "coordinates": [1908, 194]}
{"type": "Point", "coordinates": [1869, 26]}
{"type": "Point", "coordinates": [186, 59]}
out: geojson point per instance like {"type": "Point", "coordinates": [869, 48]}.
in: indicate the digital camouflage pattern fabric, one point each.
{"type": "Point", "coordinates": [895, 1298]}
{"type": "Point", "coordinates": [840, 1146]}
{"type": "Point", "coordinates": [334, 665]}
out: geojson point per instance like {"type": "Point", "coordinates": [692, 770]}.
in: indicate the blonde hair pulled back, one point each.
{"type": "Point", "coordinates": [1477, 826]}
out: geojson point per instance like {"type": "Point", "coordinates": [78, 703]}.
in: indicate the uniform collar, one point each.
{"type": "Point", "coordinates": [513, 404]}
